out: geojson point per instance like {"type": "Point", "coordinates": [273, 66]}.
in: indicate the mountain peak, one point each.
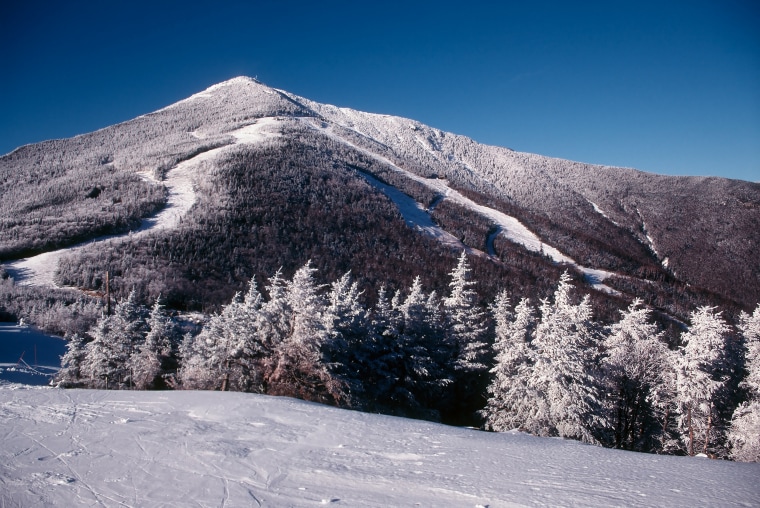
{"type": "Point", "coordinates": [236, 82]}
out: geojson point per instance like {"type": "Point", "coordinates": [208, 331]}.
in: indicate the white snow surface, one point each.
{"type": "Point", "coordinates": [39, 270]}
{"type": "Point", "coordinates": [183, 448]}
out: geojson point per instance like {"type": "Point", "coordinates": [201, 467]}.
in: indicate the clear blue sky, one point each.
{"type": "Point", "coordinates": [664, 86]}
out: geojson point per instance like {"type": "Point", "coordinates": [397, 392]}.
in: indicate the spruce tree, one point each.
{"type": "Point", "coordinates": [349, 342]}
{"type": "Point", "coordinates": [152, 356]}
{"type": "Point", "coordinates": [465, 334]}
{"type": "Point", "coordinates": [300, 369]}
{"type": "Point", "coordinates": [71, 362]}
{"type": "Point", "coordinates": [697, 379]}
{"type": "Point", "coordinates": [564, 377]}
{"type": "Point", "coordinates": [512, 401]}
{"type": "Point", "coordinates": [639, 378]}
{"type": "Point", "coordinates": [744, 434]}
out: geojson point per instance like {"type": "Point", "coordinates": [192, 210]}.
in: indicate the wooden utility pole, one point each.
{"type": "Point", "coordinates": [108, 294]}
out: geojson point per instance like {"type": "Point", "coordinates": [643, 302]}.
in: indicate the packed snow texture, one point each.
{"type": "Point", "coordinates": [87, 447]}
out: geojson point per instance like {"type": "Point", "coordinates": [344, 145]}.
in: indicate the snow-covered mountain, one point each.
{"type": "Point", "coordinates": [87, 447]}
{"type": "Point", "coordinates": [241, 179]}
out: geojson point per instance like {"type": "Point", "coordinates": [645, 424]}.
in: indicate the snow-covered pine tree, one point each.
{"type": "Point", "coordinates": [128, 329]}
{"type": "Point", "coordinates": [274, 326]}
{"type": "Point", "coordinates": [221, 356]}
{"type": "Point", "coordinates": [69, 375]}
{"type": "Point", "coordinates": [423, 371]}
{"type": "Point", "coordinates": [252, 343]}
{"type": "Point", "coordinates": [387, 317]}
{"type": "Point", "coordinates": [345, 317]}
{"type": "Point", "coordinates": [464, 333]}
{"type": "Point", "coordinates": [152, 356]}
{"type": "Point", "coordinates": [103, 357]}
{"type": "Point", "coordinates": [564, 378]}
{"type": "Point", "coordinates": [205, 357]}
{"type": "Point", "coordinates": [744, 433]}
{"type": "Point", "coordinates": [697, 382]}
{"type": "Point", "coordinates": [348, 336]}
{"type": "Point", "coordinates": [639, 378]}
{"type": "Point", "coordinates": [382, 354]}
{"type": "Point", "coordinates": [114, 340]}
{"type": "Point", "coordinates": [300, 369]}
{"type": "Point", "coordinates": [511, 402]}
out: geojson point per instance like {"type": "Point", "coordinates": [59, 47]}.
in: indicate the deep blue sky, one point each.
{"type": "Point", "coordinates": [663, 86]}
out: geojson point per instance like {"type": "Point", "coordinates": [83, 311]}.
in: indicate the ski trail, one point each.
{"type": "Point", "coordinates": [507, 225]}
{"type": "Point", "coordinates": [40, 270]}
{"type": "Point", "coordinates": [414, 214]}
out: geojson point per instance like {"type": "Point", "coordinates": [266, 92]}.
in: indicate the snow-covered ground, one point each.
{"type": "Point", "coordinates": [40, 270]}
{"type": "Point", "coordinates": [98, 448]}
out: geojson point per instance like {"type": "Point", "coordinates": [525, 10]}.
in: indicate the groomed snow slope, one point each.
{"type": "Point", "coordinates": [98, 448]}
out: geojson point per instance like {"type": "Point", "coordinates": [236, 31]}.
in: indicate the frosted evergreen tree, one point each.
{"type": "Point", "coordinates": [71, 362]}
{"type": "Point", "coordinates": [275, 316]}
{"type": "Point", "coordinates": [345, 316]}
{"type": "Point", "coordinates": [639, 377]}
{"type": "Point", "coordinates": [568, 398]}
{"type": "Point", "coordinates": [744, 434]}
{"type": "Point", "coordinates": [382, 355]}
{"type": "Point", "coordinates": [104, 358]}
{"type": "Point", "coordinates": [750, 328]}
{"type": "Point", "coordinates": [300, 369]}
{"type": "Point", "coordinates": [512, 401]}
{"type": "Point", "coordinates": [387, 317]}
{"type": "Point", "coordinates": [127, 333]}
{"type": "Point", "coordinates": [349, 341]}
{"type": "Point", "coordinates": [414, 310]}
{"type": "Point", "coordinates": [115, 338]}
{"type": "Point", "coordinates": [422, 370]}
{"type": "Point", "coordinates": [207, 359]}
{"type": "Point", "coordinates": [405, 353]}
{"type": "Point", "coordinates": [221, 356]}
{"type": "Point", "coordinates": [150, 360]}
{"type": "Point", "coordinates": [697, 378]}
{"type": "Point", "coordinates": [464, 334]}
{"type": "Point", "coordinates": [465, 329]}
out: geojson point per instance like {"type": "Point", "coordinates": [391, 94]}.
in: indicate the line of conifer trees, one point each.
{"type": "Point", "coordinates": [550, 369]}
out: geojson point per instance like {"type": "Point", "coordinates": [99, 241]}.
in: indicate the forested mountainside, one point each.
{"type": "Point", "coordinates": [318, 191]}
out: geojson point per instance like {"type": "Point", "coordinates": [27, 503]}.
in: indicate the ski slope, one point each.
{"type": "Point", "coordinates": [183, 448]}
{"type": "Point", "coordinates": [415, 215]}
{"type": "Point", "coordinates": [40, 270]}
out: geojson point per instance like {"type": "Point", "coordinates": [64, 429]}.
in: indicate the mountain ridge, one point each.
{"type": "Point", "coordinates": [646, 228]}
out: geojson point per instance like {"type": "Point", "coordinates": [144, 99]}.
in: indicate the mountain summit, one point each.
{"type": "Point", "coordinates": [242, 179]}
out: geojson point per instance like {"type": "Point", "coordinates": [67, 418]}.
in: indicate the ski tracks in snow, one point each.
{"type": "Point", "coordinates": [40, 270]}
{"type": "Point", "coordinates": [185, 448]}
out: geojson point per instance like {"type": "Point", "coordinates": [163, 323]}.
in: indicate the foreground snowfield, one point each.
{"type": "Point", "coordinates": [99, 448]}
